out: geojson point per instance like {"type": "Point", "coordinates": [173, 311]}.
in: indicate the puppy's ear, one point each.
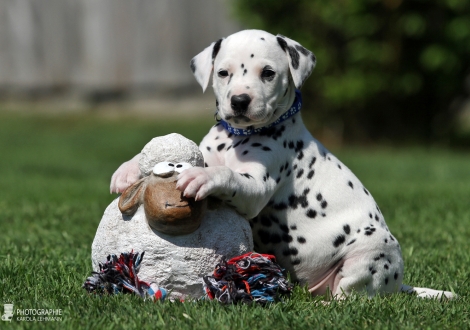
{"type": "Point", "coordinates": [301, 60]}
{"type": "Point", "coordinates": [131, 198]}
{"type": "Point", "coordinates": [203, 63]}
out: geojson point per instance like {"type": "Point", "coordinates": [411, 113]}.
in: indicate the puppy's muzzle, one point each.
{"type": "Point", "coordinates": [239, 103]}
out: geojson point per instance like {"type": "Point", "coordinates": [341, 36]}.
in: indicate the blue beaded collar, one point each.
{"type": "Point", "coordinates": [294, 109]}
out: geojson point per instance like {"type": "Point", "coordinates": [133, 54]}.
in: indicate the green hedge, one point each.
{"type": "Point", "coordinates": [387, 69]}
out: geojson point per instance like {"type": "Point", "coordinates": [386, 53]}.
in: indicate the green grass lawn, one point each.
{"type": "Point", "coordinates": [54, 188]}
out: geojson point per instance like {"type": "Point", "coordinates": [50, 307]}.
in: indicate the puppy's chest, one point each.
{"type": "Point", "coordinates": [220, 147]}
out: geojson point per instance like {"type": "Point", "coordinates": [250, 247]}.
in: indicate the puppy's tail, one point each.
{"type": "Point", "coordinates": [428, 293]}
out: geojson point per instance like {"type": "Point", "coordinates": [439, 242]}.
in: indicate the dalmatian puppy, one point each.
{"type": "Point", "coordinates": [304, 205]}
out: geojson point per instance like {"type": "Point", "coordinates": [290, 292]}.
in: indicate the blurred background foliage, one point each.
{"type": "Point", "coordinates": [386, 69]}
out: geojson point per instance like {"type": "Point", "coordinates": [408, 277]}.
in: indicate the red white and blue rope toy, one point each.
{"type": "Point", "coordinates": [119, 275]}
{"type": "Point", "coordinates": [252, 277]}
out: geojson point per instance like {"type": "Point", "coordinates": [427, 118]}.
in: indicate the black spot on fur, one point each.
{"type": "Point", "coordinates": [246, 175]}
{"type": "Point", "coordinates": [347, 229]}
{"type": "Point", "coordinates": [280, 206]}
{"type": "Point", "coordinates": [369, 231]}
{"type": "Point", "coordinates": [324, 204]}
{"type": "Point", "coordinates": [192, 65]}
{"type": "Point", "coordinates": [216, 48]}
{"type": "Point", "coordinates": [290, 251]}
{"type": "Point", "coordinates": [339, 240]}
{"type": "Point", "coordinates": [311, 213]}
{"type": "Point", "coordinates": [234, 193]}
{"type": "Point", "coordinates": [275, 238]}
{"type": "Point", "coordinates": [339, 166]}
{"type": "Point", "coordinates": [312, 162]}
{"type": "Point", "coordinates": [282, 43]}
{"type": "Point", "coordinates": [291, 145]}
{"type": "Point", "coordinates": [266, 148]}
{"type": "Point", "coordinates": [395, 276]}
{"type": "Point", "coordinates": [256, 144]}
{"type": "Point", "coordinates": [287, 238]}
{"type": "Point", "coordinates": [262, 39]}
{"type": "Point", "coordinates": [278, 180]}
{"type": "Point", "coordinates": [310, 174]}
{"type": "Point", "coordinates": [351, 242]}
{"type": "Point", "coordinates": [295, 262]}
{"type": "Point", "coordinates": [386, 266]}
{"type": "Point", "coordinates": [284, 228]}
{"type": "Point", "coordinates": [370, 215]}
{"type": "Point", "coordinates": [303, 50]}
{"type": "Point", "coordinates": [274, 218]}
{"type": "Point", "coordinates": [246, 140]}
{"type": "Point", "coordinates": [244, 152]}
{"type": "Point", "coordinates": [252, 55]}
{"type": "Point", "coordinates": [220, 146]}
{"type": "Point", "coordinates": [376, 217]}
{"type": "Point", "coordinates": [294, 201]}
{"type": "Point", "coordinates": [264, 236]}
{"type": "Point", "coordinates": [284, 144]}
{"type": "Point", "coordinates": [350, 184]}
{"type": "Point", "coordinates": [300, 155]}
{"type": "Point", "coordinates": [208, 148]}
{"type": "Point", "coordinates": [293, 227]}
{"type": "Point", "coordinates": [386, 280]}
{"type": "Point", "coordinates": [243, 65]}
{"type": "Point", "coordinates": [265, 221]}
{"type": "Point", "coordinates": [294, 251]}
{"type": "Point", "coordinates": [301, 239]}
{"type": "Point", "coordinates": [273, 132]}
{"type": "Point", "coordinates": [300, 173]}
{"type": "Point", "coordinates": [372, 270]}
{"type": "Point", "coordinates": [294, 57]}
{"type": "Point", "coordinates": [365, 190]}
{"type": "Point", "coordinates": [237, 144]}
{"type": "Point", "coordinates": [386, 241]}
{"type": "Point", "coordinates": [205, 165]}
{"type": "Point", "coordinates": [319, 197]}
{"type": "Point", "coordinates": [288, 173]}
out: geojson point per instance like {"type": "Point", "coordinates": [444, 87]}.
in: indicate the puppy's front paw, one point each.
{"type": "Point", "coordinates": [195, 182]}
{"type": "Point", "coordinates": [125, 176]}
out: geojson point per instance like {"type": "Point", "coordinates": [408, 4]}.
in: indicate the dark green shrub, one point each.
{"type": "Point", "coordinates": [387, 69]}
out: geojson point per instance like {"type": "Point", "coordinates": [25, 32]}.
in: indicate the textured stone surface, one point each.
{"type": "Point", "coordinates": [172, 148]}
{"type": "Point", "coordinates": [176, 263]}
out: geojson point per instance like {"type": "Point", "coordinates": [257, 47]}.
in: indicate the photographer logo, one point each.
{"type": "Point", "coordinates": [7, 312]}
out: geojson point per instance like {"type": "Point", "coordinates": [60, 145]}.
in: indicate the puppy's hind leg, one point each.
{"type": "Point", "coordinates": [427, 293]}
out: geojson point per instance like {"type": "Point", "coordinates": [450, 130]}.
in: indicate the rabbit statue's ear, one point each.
{"type": "Point", "coordinates": [131, 198]}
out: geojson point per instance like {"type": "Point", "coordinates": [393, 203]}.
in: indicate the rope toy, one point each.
{"type": "Point", "coordinates": [119, 275]}
{"type": "Point", "coordinates": [248, 278]}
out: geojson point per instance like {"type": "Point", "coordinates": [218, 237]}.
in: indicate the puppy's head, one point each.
{"type": "Point", "coordinates": [254, 75]}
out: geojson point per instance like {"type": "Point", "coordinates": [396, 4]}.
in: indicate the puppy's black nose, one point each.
{"type": "Point", "coordinates": [239, 103]}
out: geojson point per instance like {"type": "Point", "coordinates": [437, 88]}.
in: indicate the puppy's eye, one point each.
{"type": "Point", "coordinates": [268, 73]}
{"type": "Point", "coordinates": [163, 167]}
{"type": "Point", "coordinates": [223, 73]}
{"type": "Point", "coordinates": [180, 167]}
